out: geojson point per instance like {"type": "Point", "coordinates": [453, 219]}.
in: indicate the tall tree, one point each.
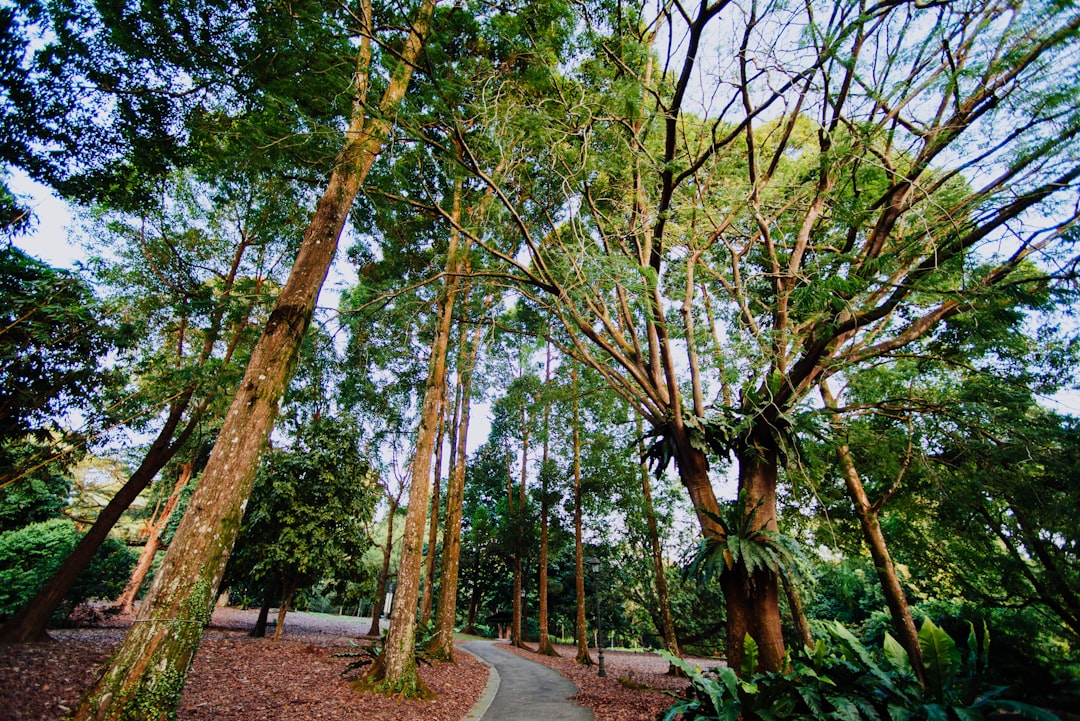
{"type": "Point", "coordinates": [191, 289]}
{"type": "Point", "coordinates": [838, 185]}
{"type": "Point", "coordinates": [442, 645]}
{"type": "Point", "coordinates": [305, 516]}
{"type": "Point", "coordinates": [153, 660]}
{"type": "Point", "coordinates": [395, 671]}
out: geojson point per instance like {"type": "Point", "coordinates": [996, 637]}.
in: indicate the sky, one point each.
{"type": "Point", "coordinates": [49, 242]}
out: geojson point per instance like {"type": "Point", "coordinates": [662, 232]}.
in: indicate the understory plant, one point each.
{"type": "Point", "coordinates": [842, 679]}
{"type": "Point", "coordinates": [370, 653]}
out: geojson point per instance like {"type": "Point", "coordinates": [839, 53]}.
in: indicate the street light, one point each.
{"type": "Point", "coordinates": [594, 566]}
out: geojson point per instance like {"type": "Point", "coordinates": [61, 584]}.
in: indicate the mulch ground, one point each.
{"type": "Point", "coordinates": [238, 678]}
{"type": "Point", "coordinates": [235, 677]}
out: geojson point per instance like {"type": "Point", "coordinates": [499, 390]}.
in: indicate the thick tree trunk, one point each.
{"type": "Point", "coordinates": [396, 672]}
{"type": "Point", "coordinates": [378, 606]}
{"type": "Point", "coordinates": [126, 601]}
{"type": "Point", "coordinates": [147, 672]}
{"type": "Point", "coordinates": [581, 632]}
{"type": "Point", "coordinates": [752, 601]}
{"type": "Point", "coordinates": [28, 624]}
{"type": "Point", "coordinates": [442, 645]}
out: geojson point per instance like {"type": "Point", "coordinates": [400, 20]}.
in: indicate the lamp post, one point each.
{"type": "Point", "coordinates": [594, 565]}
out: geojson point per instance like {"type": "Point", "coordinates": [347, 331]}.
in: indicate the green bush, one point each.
{"type": "Point", "coordinates": [30, 555]}
{"type": "Point", "coordinates": [843, 680]}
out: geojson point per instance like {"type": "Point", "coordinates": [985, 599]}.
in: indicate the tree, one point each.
{"type": "Point", "coordinates": [396, 670]}
{"type": "Point", "coordinates": [159, 647]}
{"type": "Point", "coordinates": [442, 644]}
{"type": "Point", "coordinates": [191, 290]}
{"type": "Point", "coordinates": [841, 191]}
{"type": "Point", "coordinates": [306, 514]}
{"type": "Point", "coordinates": [53, 343]}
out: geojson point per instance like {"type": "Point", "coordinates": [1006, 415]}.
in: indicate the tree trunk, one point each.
{"type": "Point", "coordinates": [264, 616]}
{"type": "Point", "coordinates": [288, 590]}
{"type": "Point", "coordinates": [544, 646]}
{"type": "Point", "coordinates": [126, 601]}
{"type": "Point", "coordinates": [581, 633]}
{"type": "Point", "coordinates": [433, 525]}
{"type": "Point", "coordinates": [519, 589]}
{"type": "Point", "coordinates": [752, 601]}
{"type": "Point", "coordinates": [379, 604]}
{"type": "Point", "coordinates": [667, 623]}
{"type": "Point", "coordinates": [147, 672]}
{"type": "Point", "coordinates": [895, 599]}
{"type": "Point", "coordinates": [28, 623]}
{"type": "Point", "coordinates": [396, 672]}
{"type": "Point", "coordinates": [516, 637]}
{"type": "Point", "coordinates": [474, 607]}
{"type": "Point", "coordinates": [442, 645]}
{"type": "Point", "coordinates": [798, 614]}
{"type": "Point", "coordinates": [544, 642]}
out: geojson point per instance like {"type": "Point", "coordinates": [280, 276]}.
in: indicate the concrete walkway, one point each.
{"type": "Point", "coordinates": [522, 690]}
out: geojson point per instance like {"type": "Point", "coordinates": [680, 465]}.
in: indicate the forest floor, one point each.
{"type": "Point", "coordinates": [238, 678]}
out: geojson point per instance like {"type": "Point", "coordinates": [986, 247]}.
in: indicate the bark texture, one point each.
{"type": "Point", "coordinates": [443, 644]}
{"type": "Point", "coordinates": [146, 675]}
{"type": "Point", "coordinates": [126, 601]}
{"type": "Point", "coordinates": [396, 671]}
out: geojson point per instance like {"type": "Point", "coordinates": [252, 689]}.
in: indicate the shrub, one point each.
{"type": "Point", "coordinates": [842, 680]}
{"type": "Point", "coordinates": [30, 555]}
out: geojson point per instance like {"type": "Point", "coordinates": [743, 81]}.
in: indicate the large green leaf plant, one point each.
{"type": "Point", "coordinates": [842, 679]}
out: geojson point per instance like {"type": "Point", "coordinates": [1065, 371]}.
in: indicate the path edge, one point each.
{"type": "Point", "coordinates": [490, 689]}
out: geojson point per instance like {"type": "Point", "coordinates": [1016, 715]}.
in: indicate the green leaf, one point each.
{"type": "Point", "coordinates": [1018, 708]}
{"type": "Point", "coordinates": [940, 659]}
{"type": "Point", "coordinates": [896, 655]}
{"type": "Point", "coordinates": [750, 656]}
{"type": "Point", "coordinates": [936, 712]}
{"type": "Point", "coordinates": [966, 714]}
{"type": "Point", "coordinates": [845, 710]}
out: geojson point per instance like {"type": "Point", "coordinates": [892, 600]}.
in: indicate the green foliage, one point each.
{"type": "Point", "coordinates": [305, 520]}
{"type": "Point", "coordinates": [842, 679]}
{"type": "Point", "coordinates": [743, 543]}
{"type": "Point", "coordinates": [369, 653]}
{"type": "Point", "coordinates": [53, 340]}
{"type": "Point", "coordinates": [39, 495]}
{"type": "Point", "coordinates": [30, 555]}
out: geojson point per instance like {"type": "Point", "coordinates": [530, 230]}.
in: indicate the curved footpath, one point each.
{"type": "Point", "coordinates": [522, 690]}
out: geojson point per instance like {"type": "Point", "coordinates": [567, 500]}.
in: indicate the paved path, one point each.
{"type": "Point", "coordinates": [522, 690]}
